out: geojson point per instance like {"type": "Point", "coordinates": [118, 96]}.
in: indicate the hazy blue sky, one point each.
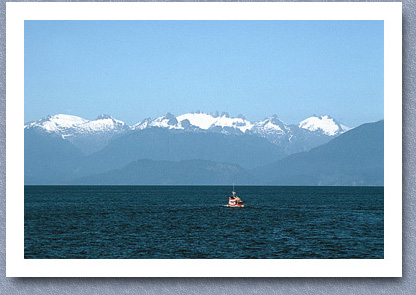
{"type": "Point", "coordinates": [138, 69]}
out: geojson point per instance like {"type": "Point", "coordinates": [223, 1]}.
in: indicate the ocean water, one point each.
{"type": "Point", "coordinates": [168, 222]}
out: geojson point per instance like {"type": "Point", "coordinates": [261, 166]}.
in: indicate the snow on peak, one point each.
{"type": "Point", "coordinates": [56, 122]}
{"type": "Point", "coordinates": [167, 121]}
{"type": "Point", "coordinates": [201, 120]}
{"type": "Point", "coordinates": [206, 121]}
{"type": "Point", "coordinates": [67, 125]}
{"type": "Point", "coordinates": [326, 124]}
{"type": "Point", "coordinates": [142, 125]}
{"type": "Point", "coordinates": [239, 123]}
{"type": "Point", "coordinates": [270, 125]}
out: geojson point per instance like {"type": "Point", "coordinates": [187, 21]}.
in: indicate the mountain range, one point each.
{"type": "Point", "coordinates": [193, 148]}
{"type": "Point", "coordinates": [91, 136]}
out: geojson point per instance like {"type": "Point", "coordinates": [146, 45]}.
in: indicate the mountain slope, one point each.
{"type": "Point", "coordinates": [49, 159]}
{"type": "Point", "coordinates": [353, 158]}
{"type": "Point", "coordinates": [189, 172]}
{"type": "Point", "coordinates": [177, 145]}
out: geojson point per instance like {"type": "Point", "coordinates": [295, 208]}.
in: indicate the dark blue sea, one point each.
{"type": "Point", "coordinates": [143, 222]}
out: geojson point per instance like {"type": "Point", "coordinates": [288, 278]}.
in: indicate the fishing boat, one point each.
{"type": "Point", "coordinates": [234, 201]}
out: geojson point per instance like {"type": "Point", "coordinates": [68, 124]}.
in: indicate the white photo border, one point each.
{"type": "Point", "coordinates": [18, 12]}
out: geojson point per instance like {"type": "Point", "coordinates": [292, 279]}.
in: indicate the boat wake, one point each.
{"type": "Point", "coordinates": [233, 206]}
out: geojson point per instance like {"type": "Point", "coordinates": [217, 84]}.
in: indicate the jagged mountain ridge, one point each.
{"type": "Point", "coordinates": [92, 135]}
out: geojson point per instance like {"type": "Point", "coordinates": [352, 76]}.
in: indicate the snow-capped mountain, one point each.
{"type": "Point", "coordinates": [324, 124]}
{"type": "Point", "coordinates": [68, 126]}
{"type": "Point", "coordinates": [87, 135]}
{"type": "Point", "coordinates": [297, 138]}
{"type": "Point", "coordinates": [274, 130]}
{"type": "Point", "coordinates": [223, 121]}
{"type": "Point", "coordinates": [168, 121]}
{"type": "Point", "coordinates": [271, 125]}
